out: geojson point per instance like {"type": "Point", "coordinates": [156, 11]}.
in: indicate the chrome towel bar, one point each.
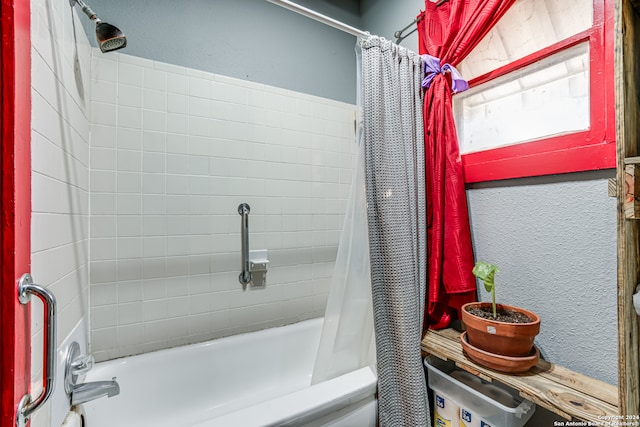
{"type": "Point", "coordinates": [245, 276]}
{"type": "Point", "coordinates": [26, 288]}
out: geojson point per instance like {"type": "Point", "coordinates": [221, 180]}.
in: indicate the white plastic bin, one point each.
{"type": "Point", "coordinates": [481, 403]}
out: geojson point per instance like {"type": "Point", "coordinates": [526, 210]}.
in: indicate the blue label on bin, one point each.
{"type": "Point", "coordinates": [483, 424]}
{"type": "Point", "coordinates": [441, 423]}
{"type": "Point", "coordinates": [466, 416]}
{"type": "Point", "coordinates": [440, 402]}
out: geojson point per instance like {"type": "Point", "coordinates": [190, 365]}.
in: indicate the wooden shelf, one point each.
{"type": "Point", "coordinates": [632, 160]}
{"type": "Point", "coordinates": [566, 393]}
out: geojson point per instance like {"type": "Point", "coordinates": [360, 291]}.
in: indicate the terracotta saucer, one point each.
{"type": "Point", "coordinates": [498, 362]}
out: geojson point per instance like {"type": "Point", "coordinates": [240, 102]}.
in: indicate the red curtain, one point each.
{"type": "Point", "coordinates": [449, 32]}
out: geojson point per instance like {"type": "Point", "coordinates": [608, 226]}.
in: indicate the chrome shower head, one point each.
{"type": "Point", "coordinates": [109, 37]}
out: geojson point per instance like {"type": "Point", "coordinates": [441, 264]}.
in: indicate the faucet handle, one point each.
{"type": "Point", "coordinates": [82, 364]}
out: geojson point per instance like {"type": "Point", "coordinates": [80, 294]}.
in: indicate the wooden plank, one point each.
{"type": "Point", "coordinates": [612, 187]}
{"type": "Point", "coordinates": [587, 385]}
{"type": "Point", "coordinates": [564, 392]}
{"type": "Point", "coordinates": [556, 373]}
{"type": "Point", "coordinates": [631, 188]}
{"type": "Point", "coordinates": [627, 84]}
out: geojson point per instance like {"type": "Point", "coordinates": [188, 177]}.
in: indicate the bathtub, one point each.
{"type": "Point", "coordinates": [254, 379]}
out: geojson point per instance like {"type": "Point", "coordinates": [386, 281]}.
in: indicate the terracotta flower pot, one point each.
{"type": "Point", "coordinates": [507, 339]}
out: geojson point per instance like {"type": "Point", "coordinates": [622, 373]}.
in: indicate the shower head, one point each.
{"type": "Point", "coordinates": [109, 37]}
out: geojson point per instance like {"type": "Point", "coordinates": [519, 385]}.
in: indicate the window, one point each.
{"type": "Point", "coordinates": [541, 97]}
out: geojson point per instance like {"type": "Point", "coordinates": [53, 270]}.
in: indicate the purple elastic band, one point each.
{"type": "Point", "coordinates": [432, 67]}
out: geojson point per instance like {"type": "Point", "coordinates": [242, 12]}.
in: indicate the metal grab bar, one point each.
{"type": "Point", "coordinates": [245, 276]}
{"type": "Point", "coordinates": [26, 288]}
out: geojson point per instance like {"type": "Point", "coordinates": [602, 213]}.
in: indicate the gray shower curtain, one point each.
{"type": "Point", "coordinates": [391, 98]}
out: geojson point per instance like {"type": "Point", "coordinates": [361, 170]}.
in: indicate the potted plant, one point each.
{"type": "Point", "coordinates": [497, 329]}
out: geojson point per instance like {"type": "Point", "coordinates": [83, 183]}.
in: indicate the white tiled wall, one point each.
{"type": "Point", "coordinates": [61, 61]}
{"type": "Point", "coordinates": [174, 151]}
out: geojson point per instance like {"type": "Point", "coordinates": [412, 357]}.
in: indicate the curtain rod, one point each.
{"type": "Point", "coordinates": [398, 34]}
{"type": "Point", "coordinates": [320, 18]}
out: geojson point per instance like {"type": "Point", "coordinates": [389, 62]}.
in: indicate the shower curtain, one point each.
{"type": "Point", "coordinates": [381, 263]}
{"type": "Point", "coordinates": [393, 139]}
{"type": "Point", "coordinates": [347, 340]}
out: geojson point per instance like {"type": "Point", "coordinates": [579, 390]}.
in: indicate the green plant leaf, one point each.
{"type": "Point", "coordinates": [486, 272]}
{"type": "Point", "coordinates": [489, 285]}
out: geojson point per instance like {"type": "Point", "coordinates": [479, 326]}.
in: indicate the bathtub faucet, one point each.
{"type": "Point", "coordinates": [78, 364]}
{"type": "Point", "coordinates": [81, 393]}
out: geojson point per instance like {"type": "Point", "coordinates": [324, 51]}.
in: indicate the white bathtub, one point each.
{"type": "Point", "coordinates": [255, 379]}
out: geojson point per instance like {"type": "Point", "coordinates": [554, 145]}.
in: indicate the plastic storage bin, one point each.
{"type": "Point", "coordinates": [480, 403]}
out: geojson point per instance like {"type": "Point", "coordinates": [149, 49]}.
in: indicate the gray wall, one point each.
{"type": "Point", "coordinates": [554, 240]}
{"type": "Point", "coordinates": [256, 40]}
{"type": "Point", "coordinates": [249, 39]}
{"type": "Point", "coordinates": [384, 18]}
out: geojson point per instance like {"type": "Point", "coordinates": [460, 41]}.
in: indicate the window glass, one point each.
{"type": "Point", "coordinates": [547, 98]}
{"type": "Point", "coordinates": [511, 39]}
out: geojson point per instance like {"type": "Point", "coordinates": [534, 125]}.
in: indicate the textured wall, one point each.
{"type": "Point", "coordinates": [174, 151]}
{"type": "Point", "coordinates": [384, 18]}
{"type": "Point", "coordinates": [61, 61]}
{"type": "Point", "coordinates": [554, 240]}
{"type": "Point", "coordinates": [249, 39]}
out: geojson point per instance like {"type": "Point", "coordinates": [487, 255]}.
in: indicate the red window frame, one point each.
{"type": "Point", "coordinates": [579, 151]}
